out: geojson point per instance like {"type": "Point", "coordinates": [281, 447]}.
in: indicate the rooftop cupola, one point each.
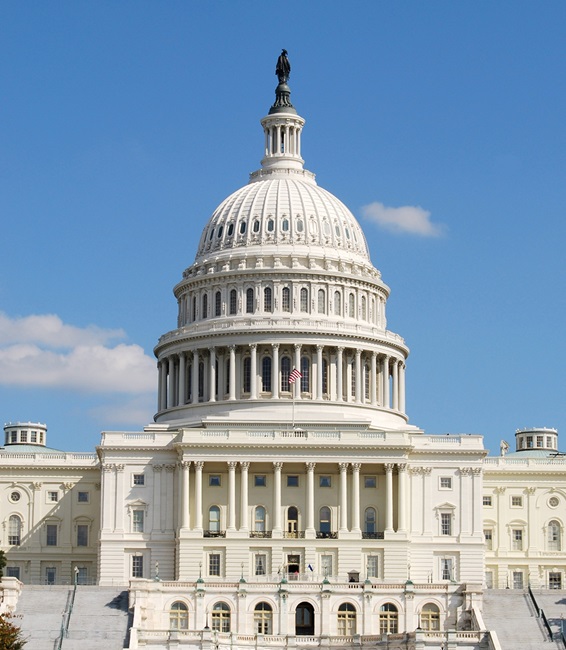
{"type": "Point", "coordinates": [282, 127]}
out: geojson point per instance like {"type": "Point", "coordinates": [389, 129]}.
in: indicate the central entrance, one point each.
{"type": "Point", "coordinates": [304, 620]}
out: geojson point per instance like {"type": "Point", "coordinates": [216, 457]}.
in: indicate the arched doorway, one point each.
{"type": "Point", "coordinates": [304, 620]}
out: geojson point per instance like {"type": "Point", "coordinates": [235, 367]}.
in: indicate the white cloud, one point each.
{"type": "Point", "coordinates": [409, 219]}
{"type": "Point", "coordinates": [42, 351]}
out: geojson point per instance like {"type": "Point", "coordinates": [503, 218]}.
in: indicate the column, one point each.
{"type": "Point", "coordinates": [427, 512]}
{"type": "Point", "coordinates": [477, 518]}
{"type": "Point", "coordinates": [199, 464]}
{"type": "Point", "coordinates": [356, 497]}
{"type": "Point", "coordinates": [232, 495]}
{"type": "Point", "coordinates": [310, 498]}
{"type": "Point", "coordinates": [339, 369]}
{"type": "Point", "coordinates": [297, 385]}
{"type": "Point", "coordinates": [373, 379]}
{"type": "Point", "coordinates": [232, 378]}
{"type": "Point", "coordinates": [159, 386]}
{"type": "Point", "coordinates": [343, 497]}
{"type": "Point", "coordinates": [182, 376]}
{"type": "Point", "coordinates": [157, 503]}
{"type": "Point", "coordinates": [171, 373]}
{"type": "Point", "coordinates": [358, 376]}
{"type": "Point", "coordinates": [244, 515]}
{"type": "Point", "coordinates": [253, 364]}
{"type": "Point", "coordinates": [275, 371]}
{"type": "Point", "coordinates": [389, 497]}
{"type": "Point", "coordinates": [212, 375]}
{"type": "Point", "coordinates": [531, 532]}
{"type": "Point", "coordinates": [185, 509]}
{"type": "Point", "coordinates": [395, 383]}
{"type": "Point", "coordinates": [402, 497]}
{"type": "Point", "coordinates": [277, 496]}
{"type": "Point", "coordinates": [386, 400]}
{"type": "Point", "coordinates": [319, 372]}
{"type": "Point", "coordinates": [465, 501]}
{"type": "Point", "coordinates": [195, 378]}
{"type": "Point", "coordinates": [402, 405]}
{"type": "Point", "coordinates": [107, 496]}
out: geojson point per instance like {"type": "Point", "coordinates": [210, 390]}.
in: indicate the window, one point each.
{"type": "Point", "coordinates": [221, 617]}
{"type": "Point", "coordinates": [179, 616]}
{"type": "Point", "coordinates": [230, 229]}
{"type": "Point", "coordinates": [337, 303]}
{"type": "Point", "coordinates": [82, 535]}
{"type": "Point", "coordinates": [553, 536]}
{"type": "Point", "coordinates": [517, 539]}
{"type": "Point", "coordinates": [540, 441]}
{"type": "Point", "coordinates": [214, 480]}
{"type": "Point", "coordinates": [263, 617]}
{"type": "Point", "coordinates": [346, 620]}
{"type": "Point", "coordinates": [488, 537]}
{"type": "Point", "coordinates": [51, 537]}
{"type": "Point", "coordinates": [325, 481]}
{"type": "Point", "coordinates": [321, 301]}
{"type": "Point", "coordinates": [250, 301]}
{"type": "Point", "coordinates": [326, 565]}
{"type": "Point", "coordinates": [445, 483]}
{"type": "Point", "coordinates": [233, 302]}
{"type": "Point", "coordinates": [370, 481]}
{"type": "Point", "coordinates": [13, 436]}
{"type": "Point", "coordinates": [270, 225]}
{"type": "Point", "coordinates": [292, 521]}
{"type": "Point", "coordinates": [217, 303]}
{"type": "Point", "coordinates": [15, 496]}
{"type": "Point", "coordinates": [13, 572]}
{"type": "Point", "coordinates": [285, 372]}
{"type": "Point", "coordinates": [53, 497]}
{"type": "Point", "coordinates": [83, 497]}
{"type": "Point", "coordinates": [14, 531]}
{"type": "Point", "coordinates": [446, 568]}
{"type": "Point", "coordinates": [364, 308]}
{"type": "Point", "coordinates": [247, 370]}
{"type": "Point", "coordinates": [24, 436]}
{"type": "Point", "coordinates": [256, 225]}
{"type": "Point", "coordinates": [325, 521]}
{"type": "Point", "coordinates": [430, 617]}
{"type": "Point", "coordinates": [305, 372]}
{"type": "Point", "coordinates": [445, 523]}
{"type": "Point", "coordinates": [517, 502]}
{"type": "Point", "coordinates": [554, 580]}
{"type": "Point", "coordinates": [214, 519]}
{"type": "Point", "coordinates": [553, 502]}
{"type": "Point", "coordinates": [388, 619]}
{"type": "Point", "coordinates": [292, 481]}
{"type": "Point", "coordinates": [137, 521]}
{"type": "Point", "coordinates": [304, 300]}
{"type": "Point", "coordinates": [214, 564]}
{"type": "Point", "coordinates": [260, 564]}
{"type": "Point", "coordinates": [138, 479]}
{"type": "Point", "coordinates": [137, 566]}
{"type": "Point", "coordinates": [373, 566]}
{"type": "Point", "coordinates": [370, 518]}
{"type": "Point", "coordinates": [351, 304]}
{"type": "Point", "coordinates": [517, 580]}
{"type": "Point", "coordinates": [286, 299]}
{"type": "Point", "coordinates": [242, 227]}
{"type": "Point", "coordinates": [285, 222]}
{"type": "Point", "coordinates": [194, 308]}
{"type": "Point", "coordinates": [487, 501]}
{"type": "Point", "coordinates": [267, 300]}
{"type": "Point", "coordinates": [259, 519]}
{"type": "Point", "coordinates": [33, 436]}
{"type": "Point", "coordinates": [205, 306]}
{"type": "Point", "coordinates": [266, 375]}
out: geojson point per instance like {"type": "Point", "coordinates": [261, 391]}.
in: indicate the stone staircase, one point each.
{"type": "Point", "coordinates": [41, 610]}
{"type": "Point", "coordinates": [512, 615]}
{"type": "Point", "coordinates": [553, 602]}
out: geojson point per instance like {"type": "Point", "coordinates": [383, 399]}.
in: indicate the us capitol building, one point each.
{"type": "Point", "coordinates": [281, 497]}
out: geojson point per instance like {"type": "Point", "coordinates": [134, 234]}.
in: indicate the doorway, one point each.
{"type": "Point", "coordinates": [304, 620]}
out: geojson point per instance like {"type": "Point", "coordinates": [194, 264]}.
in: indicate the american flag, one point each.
{"type": "Point", "coordinates": [295, 374]}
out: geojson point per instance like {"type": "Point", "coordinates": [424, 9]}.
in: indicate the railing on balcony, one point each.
{"type": "Point", "coordinates": [294, 534]}
{"type": "Point", "coordinates": [378, 535]}
{"type": "Point", "coordinates": [214, 533]}
{"type": "Point", "coordinates": [326, 535]}
{"type": "Point", "coordinates": [262, 534]}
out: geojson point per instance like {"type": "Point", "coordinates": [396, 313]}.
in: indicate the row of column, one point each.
{"type": "Point", "coordinates": [376, 379]}
{"type": "Point", "coordinates": [282, 139]}
{"type": "Point", "coordinates": [345, 499]}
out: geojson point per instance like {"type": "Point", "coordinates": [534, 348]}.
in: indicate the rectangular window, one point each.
{"type": "Point", "coordinates": [137, 521]}
{"type": "Point", "coordinates": [51, 534]}
{"type": "Point", "coordinates": [13, 436]}
{"type": "Point", "coordinates": [370, 481]}
{"type": "Point", "coordinates": [540, 441]}
{"type": "Point", "coordinates": [447, 568]}
{"type": "Point", "coordinates": [517, 579]}
{"type": "Point", "coordinates": [373, 566]}
{"type": "Point", "coordinates": [13, 572]}
{"type": "Point", "coordinates": [517, 534]}
{"type": "Point", "coordinates": [214, 564]}
{"type": "Point", "coordinates": [260, 564]}
{"type": "Point", "coordinates": [554, 580]}
{"type": "Point", "coordinates": [292, 481]}
{"type": "Point", "coordinates": [529, 442]}
{"type": "Point", "coordinates": [489, 579]}
{"type": "Point", "coordinates": [138, 479]}
{"type": "Point", "coordinates": [82, 497]}
{"type": "Point", "coordinates": [445, 483]}
{"type": "Point", "coordinates": [214, 480]}
{"type": "Point", "coordinates": [53, 497]}
{"type": "Point", "coordinates": [137, 566]}
{"type": "Point", "coordinates": [517, 502]}
{"type": "Point", "coordinates": [82, 535]}
{"type": "Point", "coordinates": [82, 575]}
{"type": "Point", "coordinates": [24, 436]}
{"type": "Point", "coordinates": [325, 481]}
{"type": "Point", "coordinates": [488, 536]}
{"type": "Point", "coordinates": [260, 480]}
{"type": "Point", "coordinates": [326, 565]}
{"type": "Point", "coordinates": [445, 523]}
{"type": "Point", "coordinates": [33, 437]}
{"type": "Point", "coordinates": [487, 501]}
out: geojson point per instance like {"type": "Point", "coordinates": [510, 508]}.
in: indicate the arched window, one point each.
{"type": "Point", "coordinates": [370, 521]}
{"type": "Point", "coordinates": [263, 618]}
{"type": "Point", "coordinates": [242, 227]}
{"type": "Point", "coordinates": [367, 382]}
{"type": "Point", "coordinates": [304, 300]}
{"type": "Point", "coordinates": [201, 380]}
{"type": "Point", "coordinates": [256, 226]}
{"type": "Point", "coordinates": [221, 617]}
{"type": "Point", "coordinates": [14, 531]}
{"type": "Point", "coordinates": [259, 519]}
{"type": "Point", "coordinates": [388, 619]}
{"type": "Point", "coordinates": [230, 229]}
{"type": "Point", "coordinates": [179, 616]}
{"type": "Point", "coordinates": [285, 372]}
{"type": "Point", "coordinates": [324, 377]}
{"type": "Point", "coordinates": [430, 617]}
{"type": "Point", "coordinates": [205, 306]}
{"type": "Point", "coordinates": [194, 308]}
{"type": "Point", "coordinates": [304, 620]}
{"type": "Point", "coordinates": [227, 378]}
{"type": "Point", "coordinates": [337, 303]}
{"type": "Point", "coordinates": [324, 522]}
{"type": "Point", "coordinates": [233, 302]}
{"type": "Point", "coordinates": [351, 306]}
{"type": "Point", "coordinates": [267, 300]}
{"type": "Point", "coordinates": [247, 379]}
{"type": "Point", "coordinates": [353, 375]}
{"type": "Point", "coordinates": [305, 372]}
{"type": "Point", "coordinates": [553, 536]}
{"type": "Point", "coordinates": [266, 375]}
{"type": "Point", "coordinates": [286, 299]}
{"type": "Point", "coordinates": [321, 301]}
{"type": "Point", "coordinates": [364, 308]}
{"type": "Point", "coordinates": [214, 519]}
{"type": "Point", "coordinates": [285, 225]}
{"type": "Point", "coordinates": [270, 225]}
{"type": "Point", "coordinates": [292, 521]}
{"type": "Point", "coordinates": [217, 303]}
{"type": "Point", "coordinates": [250, 301]}
{"type": "Point", "coordinates": [346, 619]}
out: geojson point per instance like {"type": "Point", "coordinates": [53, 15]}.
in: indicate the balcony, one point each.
{"type": "Point", "coordinates": [372, 535]}
{"type": "Point", "coordinates": [214, 533]}
{"type": "Point", "coordinates": [295, 534]}
{"type": "Point", "coordinates": [260, 534]}
{"type": "Point", "coordinates": [326, 535]}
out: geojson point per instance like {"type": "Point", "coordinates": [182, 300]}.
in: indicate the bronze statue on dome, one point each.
{"type": "Point", "coordinates": [283, 67]}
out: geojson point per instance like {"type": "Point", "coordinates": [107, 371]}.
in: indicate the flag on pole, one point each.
{"type": "Point", "coordinates": [295, 374]}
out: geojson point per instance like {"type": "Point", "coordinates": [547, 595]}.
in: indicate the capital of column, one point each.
{"type": "Point", "coordinates": [356, 467]}
{"type": "Point", "coordinates": [343, 467]}
{"type": "Point", "coordinates": [277, 466]}
{"type": "Point", "coordinates": [401, 467]}
{"type": "Point", "coordinates": [157, 468]}
{"type": "Point", "coordinates": [310, 467]}
{"type": "Point", "coordinates": [199, 464]}
{"type": "Point", "coordinates": [185, 464]}
{"type": "Point", "coordinates": [245, 465]}
{"type": "Point", "coordinates": [389, 468]}
{"type": "Point", "coordinates": [232, 464]}
{"type": "Point", "coordinates": [465, 471]}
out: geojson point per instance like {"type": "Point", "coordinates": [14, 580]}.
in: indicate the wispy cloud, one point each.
{"type": "Point", "coordinates": [137, 411]}
{"type": "Point", "coordinates": [406, 219]}
{"type": "Point", "coordinates": [42, 351]}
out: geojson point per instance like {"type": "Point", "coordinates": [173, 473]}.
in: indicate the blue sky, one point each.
{"type": "Point", "coordinates": [124, 124]}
